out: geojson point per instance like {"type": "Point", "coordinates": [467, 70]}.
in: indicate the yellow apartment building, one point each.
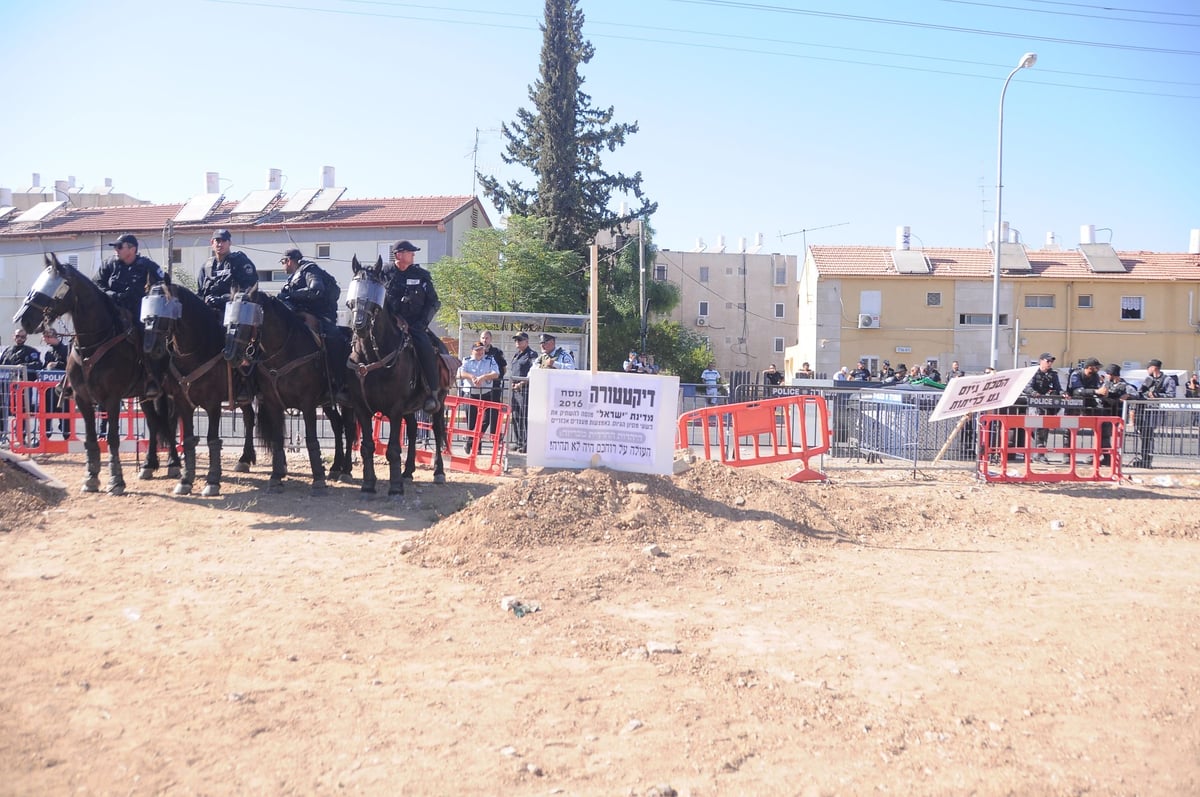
{"type": "Point", "coordinates": [935, 305]}
{"type": "Point", "coordinates": [742, 302]}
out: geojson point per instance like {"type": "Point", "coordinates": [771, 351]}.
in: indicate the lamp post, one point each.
{"type": "Point", "coordinates": [1027, 60]}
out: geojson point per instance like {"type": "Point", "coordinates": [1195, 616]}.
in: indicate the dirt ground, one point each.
{"type": "Point", "coordinates": [716, 632]}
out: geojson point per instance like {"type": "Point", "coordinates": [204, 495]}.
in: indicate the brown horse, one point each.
{"type": "Point", "coordinates": [104, 367]}
{"type": "Point", "coordinates": [289, 368]}
{"type": "Point", "coordinates": [385, 377]}
{"type": "Point", "coordinates": [180, 325]}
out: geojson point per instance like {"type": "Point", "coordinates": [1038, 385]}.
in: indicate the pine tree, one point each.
{"type": "Point", "coordinates": [561, 142]}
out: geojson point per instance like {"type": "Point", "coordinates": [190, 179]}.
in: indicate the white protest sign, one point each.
{"type": "Point", "coordinates": [622, 421]}
{"type": "Point", "coordinates": [981, 393]}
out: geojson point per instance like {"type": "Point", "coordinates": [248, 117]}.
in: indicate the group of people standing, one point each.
{"type": "Point", "coordinates": [482, 374]}
{"type": "Point", "coordinates": [1103, 391]}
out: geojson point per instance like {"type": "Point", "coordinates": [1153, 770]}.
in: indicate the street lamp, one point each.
{"type": "Point", "coordinates": [1027, 60]}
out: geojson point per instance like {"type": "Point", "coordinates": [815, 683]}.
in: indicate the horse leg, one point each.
{"type": "Point", "coordinates": [249, 457]}
{"type": "Point", "coordinates": [366, 450]}
{"type": "Point", "coordinates": [410, 456]}
{"type": "Point", "coordinates": [395, 473]}
{"type": "Point", "coordinates": [337, 422]}
{"type": "Point", "coordinates": [170, 424]}
{"type": "Point", "coordinates": [188, 474]}
{"type": "Point", "coordinates": [91, 444]}
{"type": "Point", "coordinates": [439, 443]}
{"type": "Point", "coordinates": [212, 482]}
{"type": "Point", "coordinates": [160, 426]}
{"type": "Point", "coordinates": [314, 449]}
{"type": "Point", "coordinates": [116, 476]}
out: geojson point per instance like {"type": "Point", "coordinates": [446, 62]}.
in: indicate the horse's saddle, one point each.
{"type": "Point", "coordinates": [447, 367]}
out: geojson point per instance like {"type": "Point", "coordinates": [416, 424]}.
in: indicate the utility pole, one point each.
{"type": "Point", "coordinates": [642, 281]}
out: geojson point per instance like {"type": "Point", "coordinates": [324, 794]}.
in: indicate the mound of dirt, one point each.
{"type": "Point", "coordinates": [23, 498]}
{"type": "Point", "coordinates": [551, 507]}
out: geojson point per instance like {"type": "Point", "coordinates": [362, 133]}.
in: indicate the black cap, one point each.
{"type": "Point", "coordinates": [292, 254]}
{"type": "Point", "coordinates": [1092, 362]}
{"type": "Point", "coordinates": [1047, 356]}
{"type": "Point", "coordinates": [1155, 363]}
{"type": "Point", "coordinates": [545, 336]}
{"type": "Point", "coordinates": [405, 246]}
{"type": "Point", "coordinates": [901, 367]}
{"type": "Point", "coordinates": [887, 363]}
{"type": "Point", "coordinates": [125, 239]}
{"type": "Point", "coordinates": [479, 344]}
{"type": "Point", "coordinates": [1113, 369]}
{"type": "Point", "coordinates": [222, 235]}
{"type": "Point", "coordinates": [521, 336]}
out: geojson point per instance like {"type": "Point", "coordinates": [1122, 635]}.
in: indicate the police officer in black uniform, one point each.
{"type": "Point", "coordinates": [519, 369]}
{"type": "Point", "coordinates": [55, 359]}
{"type": "Point", "coordinates": [310, 289]}
{"type": "Point", "coordinates": [412, 296]}
{"type": "Point", "coordinates": [1045, 382]}
{"type": "Point", "coordinates": [1087, 384]}
{"type": "Point", "coordinates": [125, 277]}
{"type": "Point", "coordinates": [226, 273]}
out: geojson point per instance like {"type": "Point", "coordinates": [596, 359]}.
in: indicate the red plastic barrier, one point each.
{"type": "Point", "coordinates": [457, 431]}
{"type": "Point", "coordinates": [27, 425]}
{"type": "Point", "coordinates": [1003, 461]}
{"type": "Point", "coordinates": [769, 427]}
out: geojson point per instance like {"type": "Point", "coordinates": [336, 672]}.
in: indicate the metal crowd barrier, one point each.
{"type": "Point", "coordinates": [9, 374]}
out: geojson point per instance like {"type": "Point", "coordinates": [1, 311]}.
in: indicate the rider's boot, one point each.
{"type": "Point", "coordinates": [337, 354]}
{"type": "Point", "coordinates": [429, 368]}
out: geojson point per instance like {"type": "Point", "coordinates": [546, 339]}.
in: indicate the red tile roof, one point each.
{"type": "Point", "coordinates": [874, 261]}
{"type": "Point", "coordinates": [420, 211]}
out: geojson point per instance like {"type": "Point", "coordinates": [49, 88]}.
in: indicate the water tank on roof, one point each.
{"type": "Point", "coordinates": [903, 238]}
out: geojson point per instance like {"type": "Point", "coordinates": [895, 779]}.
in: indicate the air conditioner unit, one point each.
{"type": "Point", "coordinates": [866, 321]}
{"type": "Point", "coordinates": [702, 321]}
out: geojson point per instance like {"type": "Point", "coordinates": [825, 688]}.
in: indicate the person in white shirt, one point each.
{"type": "Point", "coordinates": [475, 377]}
{"type": "Point", "coordinates": [711, 378]}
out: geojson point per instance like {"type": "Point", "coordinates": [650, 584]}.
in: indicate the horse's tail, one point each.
{"type": "Point", "coordinates": [270, 425]}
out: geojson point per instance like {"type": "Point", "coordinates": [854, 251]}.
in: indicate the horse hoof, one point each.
{"type": "Point", "coordinates": [439, 478]}
{"type": "Point", "coordinates": [146, 474]}
{"type": "Point", "coordinates": [91, 486]}
{"type": "Point", "coordinates": [241, 467]}
{"type": "Point", "coordinates": [346, 478]}
{"type": "Point", "coordinates": [275, 487]}
{"type": "Point", "coordinates": [396, 492]}
{"type": "Point", "coordinates": [183, 489]}
{"type": "Point", "coordinates": [408, 477]}
{"type": "Point", "coordinates": [174, 471]}
{"type": "Point", "coordinates": [320, 487]}
{"type": "Point", "coordinates": [116, 489]}
{"type": "Point", "coordinates": [211, 490]}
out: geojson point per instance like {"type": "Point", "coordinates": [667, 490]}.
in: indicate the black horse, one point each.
{"type": "Point", "coordinates": [289, 368]}
{"type": "Point", "coordinates": [104, 367]}
{"type": "Point", "coordinates": [385, 378]}
{"type": "Point", "coordinates": [179, 325]}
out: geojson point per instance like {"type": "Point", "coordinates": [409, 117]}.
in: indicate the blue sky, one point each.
{"type": "Point", "coordinates": [804, 120]}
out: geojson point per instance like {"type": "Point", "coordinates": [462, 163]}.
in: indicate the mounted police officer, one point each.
{"type": "Point", "coordinates": [310, 289]}
{"type": "Point", "coordinates": [1156, 385]}
{"type": "Point", "coordinates": [226, 273]}
{"type": "Point", "coordinates": [1045, 382]}
{"type": "Point", "coordinates": [412, 296]}
{"type": "Point", "coordinates": [125, 277]}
